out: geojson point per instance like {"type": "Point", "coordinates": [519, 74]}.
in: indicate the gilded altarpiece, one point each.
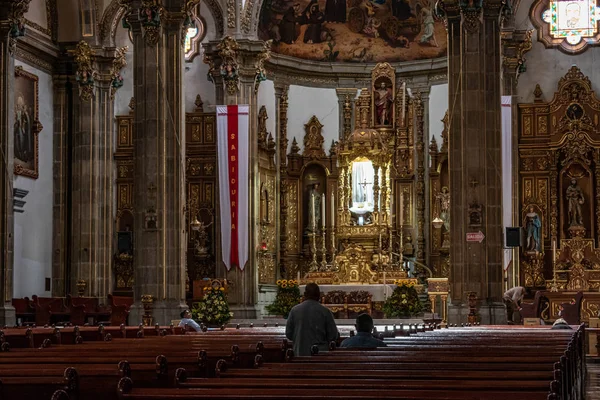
{"type": "Point", "coordinates": [559, 174]}
{"type": "Point", "coordinates": [267, 254]}
{"type": "Point", "coordinates": [439, 181]}
{"type": "Point", "coordinates": [370, 181]}
{"type": "Point", "coordinates": [201, 177]}
{"type": "Point", "coordinates": [123, 259]}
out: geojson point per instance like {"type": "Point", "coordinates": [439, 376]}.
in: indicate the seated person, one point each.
{"type": "Point", "coordinates": [363, 338]}
{"type": "Point", "coordinates": [560, 324]}
{"type": "Point", "coordinates": [187, 321]}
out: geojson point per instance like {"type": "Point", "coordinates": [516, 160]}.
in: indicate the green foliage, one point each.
{"type": "Point", "coordinates": [213, 308]}
{"type": "Point", "coordinates": [288, 295]}
{"type": "Point", "coordinates": [404, 302]}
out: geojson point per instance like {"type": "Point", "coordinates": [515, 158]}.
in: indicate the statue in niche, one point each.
{"type": "Point", "coordinates": [533, 227]}
{"type": "Point", "coordinates": [383, 104]}
{"type": "Point", "coordinates": [444, 198]}
{"type": "Point", "coordinates": [314, 208]}
{"type": "Point", "coordinates": [575, 200]}
{"type": "Point", "coordinates": [475, 215]}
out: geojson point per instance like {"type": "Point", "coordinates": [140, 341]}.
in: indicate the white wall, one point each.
{"type": "Point", "coordinates": [195, 76]}
{"type": "Point", "coordinates": [547, 66]}
{"type": "Point", "coordinates": [33, 228]}
{"type": "Point", "coordinates": [266, 97]}
{"type": "Point", "coordinates": [303, 103]}
{"type": "Point", "coordinates": [438, 105]}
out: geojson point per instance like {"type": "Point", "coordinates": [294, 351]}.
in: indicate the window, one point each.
{"type": "Point", "coordinates": [571, 25]}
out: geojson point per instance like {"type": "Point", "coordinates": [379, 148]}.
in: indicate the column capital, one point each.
{"type": "Point", "coordinates": [515, 44]}
{"type": "Point", "coordinates": [231, 61]}
{"type": "Point", "coordinates": [12, 20]}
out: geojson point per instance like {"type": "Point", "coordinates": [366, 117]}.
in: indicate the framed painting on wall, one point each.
{"type": "Point", "coordinates": [27, 125]}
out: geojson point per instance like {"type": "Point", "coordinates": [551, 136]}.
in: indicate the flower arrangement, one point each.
{"type": "Point", "coordinates": [404, 301]}
{"type": "Point", "coordinates": [213, 308]}
{"type": "Point", "coordinates": [288, 295]}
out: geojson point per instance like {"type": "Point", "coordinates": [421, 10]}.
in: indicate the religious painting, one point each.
{"type": "Point", "coordinates": [353, 30]}
{"type": "Point", "coordinates": [26, 126]}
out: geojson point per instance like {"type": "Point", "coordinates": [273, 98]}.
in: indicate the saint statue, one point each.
{"type": "Point", "coordinates": [444, 198]}
{"type": "Point", "coordinates": [314, 208]}
{"type": "Point", "coordinates": [383, 105]}
{"type": "Point", "coordinates": [533, 227]}
{"type": "Point", "coordinates": [575, 199]}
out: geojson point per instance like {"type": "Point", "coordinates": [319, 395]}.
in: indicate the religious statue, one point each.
{"type": "Point", "coordinates": [575, 199]}
{"type": "Point", "coordinates": [533, 228]}
{"type": "Point", "coordinates": [383, 105]}
{"type": "Point", "coordinates": [314, 208]}
{"type": "Point", "coordinates": [444, 198]}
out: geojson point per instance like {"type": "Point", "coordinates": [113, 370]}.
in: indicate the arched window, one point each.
{"type": "Point", "coordinates": [195, 33]}
{"type": "Point", "coordinates": [570, 25]}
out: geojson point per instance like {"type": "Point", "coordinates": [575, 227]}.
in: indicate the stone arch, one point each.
{"type": "Point", "coordinates": [251, 17]}
{"type": "Point", "coordinates": [114, 13]}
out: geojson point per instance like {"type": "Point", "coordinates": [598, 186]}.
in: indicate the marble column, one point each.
{"type": "Point", "coordinates": [92, 190]}
{"type": "Point", "coordinates": [474, 81]}
{"type": "Point", "coordinates": [247, 58]}
{"type": "Point", "coordinates": [11, 27]}
{"type": "Point", "coordinates": [159, 173]}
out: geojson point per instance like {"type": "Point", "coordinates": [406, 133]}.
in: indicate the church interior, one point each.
{"type": "Point", "coordinates": [415, 158]}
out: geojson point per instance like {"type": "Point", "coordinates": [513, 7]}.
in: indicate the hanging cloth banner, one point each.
{"type": "Point", "coordinates": [233, 147]}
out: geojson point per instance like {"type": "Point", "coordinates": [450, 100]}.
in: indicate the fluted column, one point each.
{"type": "Point", "coordinates": [474, 83]}
{"type": "Point", "coordinates": [92, 190]}
{"type": "Point", "coordinates": [159, 143]}
{"type": "Point", "coordinates": [11, 27]}
{"type": "Point", "coordinates": [246, 57]}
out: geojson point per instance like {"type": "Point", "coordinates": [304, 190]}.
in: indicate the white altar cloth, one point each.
{"type": "Point", "coordinates": [380, 292]}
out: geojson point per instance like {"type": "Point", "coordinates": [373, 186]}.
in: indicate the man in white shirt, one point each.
{"type": "Point", "coordinates": [187, 321]}
{"type": "Point", "coordinates": [512, 299]}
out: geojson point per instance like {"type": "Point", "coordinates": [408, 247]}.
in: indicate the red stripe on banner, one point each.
{"type": "Point", "coordinates": [232, 152]}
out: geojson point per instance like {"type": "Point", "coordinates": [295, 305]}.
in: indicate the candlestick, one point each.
{"type": "Point", "coordinates": [332, 209]}
{"type": "Point", "coordinates": [323, 211]}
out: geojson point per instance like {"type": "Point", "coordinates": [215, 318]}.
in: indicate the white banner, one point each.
{"type": "Point", "coordinates": [233, 148]}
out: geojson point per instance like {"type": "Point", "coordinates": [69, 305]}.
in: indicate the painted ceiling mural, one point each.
{"type": "Point", "coordinates": [353, 30]}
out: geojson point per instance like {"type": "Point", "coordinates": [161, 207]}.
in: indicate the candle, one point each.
{"type": "Point", "coordinates": [298, 277]}
{"type": "Point", "coordinates": [332, 209]}
{"type": "Point", "coordinates": [401, 208]}
{"type": "Point", "coordinates": [553, 251]}
{"type": "Point", "coordinates": [323, 211]}
{"type": "Point", "coordinates": [314, 214]}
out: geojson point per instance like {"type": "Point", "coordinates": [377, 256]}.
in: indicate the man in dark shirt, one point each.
{"type": "Point", "coordinates": [363, 338]}
{"type": "Point", "coordinates": [309, 323]}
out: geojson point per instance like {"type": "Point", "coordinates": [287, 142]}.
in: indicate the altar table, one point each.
{"type": "Point", "coordinates": [380, 292]}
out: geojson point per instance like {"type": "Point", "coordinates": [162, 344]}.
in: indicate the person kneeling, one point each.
{"type": "Point", "coordinates": [363, 338]}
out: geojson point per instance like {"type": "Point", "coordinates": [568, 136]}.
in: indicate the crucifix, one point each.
{"type": "Point", "coordinates": [473, 182]}
{"type": "Point", "coordinates": [364, 186]}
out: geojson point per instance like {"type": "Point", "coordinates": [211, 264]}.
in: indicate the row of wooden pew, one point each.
{"type": "Point", "coordinates": [75, 310]}
{"type": "Point", "coordinates": [250, 363]}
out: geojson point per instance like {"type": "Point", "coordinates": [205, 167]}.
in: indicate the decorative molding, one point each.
{"type": "Point", "coordinates": [229, 69]}
{"type": "Point", "coordinates": [16, 22]}
{"type": "Point", "coordinates": [261, 74]}
{"type": "Point", "coordinates": [231, 14]}
{"type": "Point", "coordinates": [85, 74]}
{"type": "Point", "coordinates": [27, 57]}
{"type": "Point", "coordinates": [118, 64]}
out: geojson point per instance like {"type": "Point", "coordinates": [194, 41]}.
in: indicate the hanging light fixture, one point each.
{"type": "Point", "coordinates": [437, 223]}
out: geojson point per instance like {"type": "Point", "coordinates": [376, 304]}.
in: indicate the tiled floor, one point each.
{"type": "Point", "coordinates": [593, 383]}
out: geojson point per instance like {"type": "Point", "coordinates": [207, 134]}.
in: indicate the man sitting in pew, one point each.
{"type": "Point", "coordinates": [309, 323]}
{"type": "Point", "coordinates": [363, 338]}
{"type": "Point", "coordinates": [187, 321]}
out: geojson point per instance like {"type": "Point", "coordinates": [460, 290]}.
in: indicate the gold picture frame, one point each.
{"type": "Point", "coordinates": [27, 126]}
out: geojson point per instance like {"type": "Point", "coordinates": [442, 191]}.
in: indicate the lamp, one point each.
{"type": "Point", "coordinates": [437, 223]}
{"type": "Point", "coordinates": [195, 224]}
